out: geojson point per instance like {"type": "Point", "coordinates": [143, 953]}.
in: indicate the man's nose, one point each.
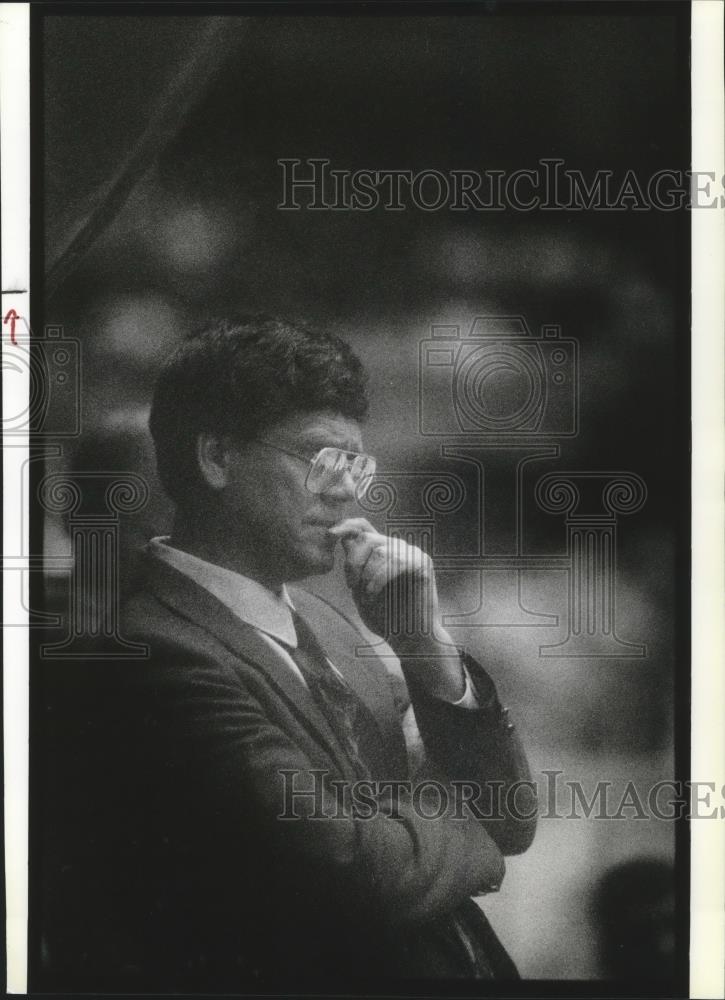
{"type": "Point", "coordinates": [343, 489]}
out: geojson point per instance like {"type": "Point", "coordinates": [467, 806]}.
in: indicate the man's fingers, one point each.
{"type": "Point", "coordinates": [352, 526]}
{"type": "Point", "coordinates": [372, 560]}
{"type": "Point", "coordinates": [353, 573]}
{"type": "Point", "coordinates": [386, 562]}
{"type": "Point", "coordinates": [357, 551]}
{"type": "Point", "coordinates": [359, 539]}
{"type": "Point", "coordinates": [376, 572]}
{"type": "Point", "coordinates": [374, 582]}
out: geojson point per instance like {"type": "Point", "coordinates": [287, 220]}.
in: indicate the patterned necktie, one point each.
{"type": "Point", "coordinates": [337, 701]}
{"type": "Point", "coordinates": [346, 715]}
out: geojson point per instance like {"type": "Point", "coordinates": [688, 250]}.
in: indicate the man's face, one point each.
{"type": "Point", "coordinates": [285, 524]}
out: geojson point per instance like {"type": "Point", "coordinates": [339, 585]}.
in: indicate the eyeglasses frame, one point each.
{"type": "Point", "coordinates": [312, 459]}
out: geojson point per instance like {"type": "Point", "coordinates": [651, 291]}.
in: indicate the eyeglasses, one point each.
{"type": "Point", "coordinates": [329, 465]}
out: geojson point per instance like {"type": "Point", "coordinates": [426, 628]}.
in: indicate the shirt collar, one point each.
{"type": "Point", "coordinates": [246, 598]}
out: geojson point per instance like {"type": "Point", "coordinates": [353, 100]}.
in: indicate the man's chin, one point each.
{"type": "Point", "coordinates": [314, 562]}
{"type": "Point", "coordinates": [322, 562]}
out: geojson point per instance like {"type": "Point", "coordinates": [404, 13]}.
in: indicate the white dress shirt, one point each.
{"type": "Point", "coordinates": [269, 613]}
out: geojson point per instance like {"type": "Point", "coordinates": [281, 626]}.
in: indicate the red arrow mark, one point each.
{"type": "Point", "coordinates": [10, 317]}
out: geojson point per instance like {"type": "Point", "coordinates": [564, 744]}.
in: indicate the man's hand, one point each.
{"type": "Point", "coordinates": [373, 562]}
{"type": "Point", "coordinates": [393, 585]}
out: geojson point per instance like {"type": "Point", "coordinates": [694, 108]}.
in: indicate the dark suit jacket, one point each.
{"type": "Point", "coordinates": [167, 867]}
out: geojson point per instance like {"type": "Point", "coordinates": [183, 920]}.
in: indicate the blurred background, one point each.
{"type": "Point", "coordinates": [160, 181]}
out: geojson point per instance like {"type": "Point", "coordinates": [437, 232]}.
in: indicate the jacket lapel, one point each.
{"type": "Point", "coordinates": [183, 596]}
{"type": "Point", "coordinates": [367, 676]}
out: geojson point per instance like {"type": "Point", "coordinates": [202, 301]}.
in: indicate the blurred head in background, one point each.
{"type": "Point", "coordinates": [257, 428]}
{"type": "Point", "coordinates": [634, 908]}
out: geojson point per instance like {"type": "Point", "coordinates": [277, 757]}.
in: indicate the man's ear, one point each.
{"type": "Point", "coordinates": [213, 456]}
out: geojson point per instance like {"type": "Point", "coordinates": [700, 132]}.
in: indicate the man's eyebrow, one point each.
{"type": "Point", "coordinates": [315, 438]}
{"type": "Point", "coordinates": [320, 439]}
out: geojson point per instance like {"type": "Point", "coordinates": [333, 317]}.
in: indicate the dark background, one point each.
{"type": "Point", "coordinates": [197, 232]}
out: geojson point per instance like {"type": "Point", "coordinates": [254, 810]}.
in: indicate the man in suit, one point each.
{"type": "Point", "coordinates": [244, 807]}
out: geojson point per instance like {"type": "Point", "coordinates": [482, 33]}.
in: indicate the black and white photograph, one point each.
{"type": "Point", "coordinates": [356, 504]}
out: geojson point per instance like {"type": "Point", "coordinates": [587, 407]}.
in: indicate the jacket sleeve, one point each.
{"type": "Point", "coordinates": [223, 748]}
{"type": "Point", "coordinates": [476, 753]}
{"type": "Point", "coordinates": [479, 750]}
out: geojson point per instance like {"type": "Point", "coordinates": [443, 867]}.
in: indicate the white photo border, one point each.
{"type": "Point", "coordinates": [707, 916]}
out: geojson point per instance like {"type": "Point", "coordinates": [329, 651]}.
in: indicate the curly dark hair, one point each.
{"type": "Point", "coordinates": [238, 376]}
